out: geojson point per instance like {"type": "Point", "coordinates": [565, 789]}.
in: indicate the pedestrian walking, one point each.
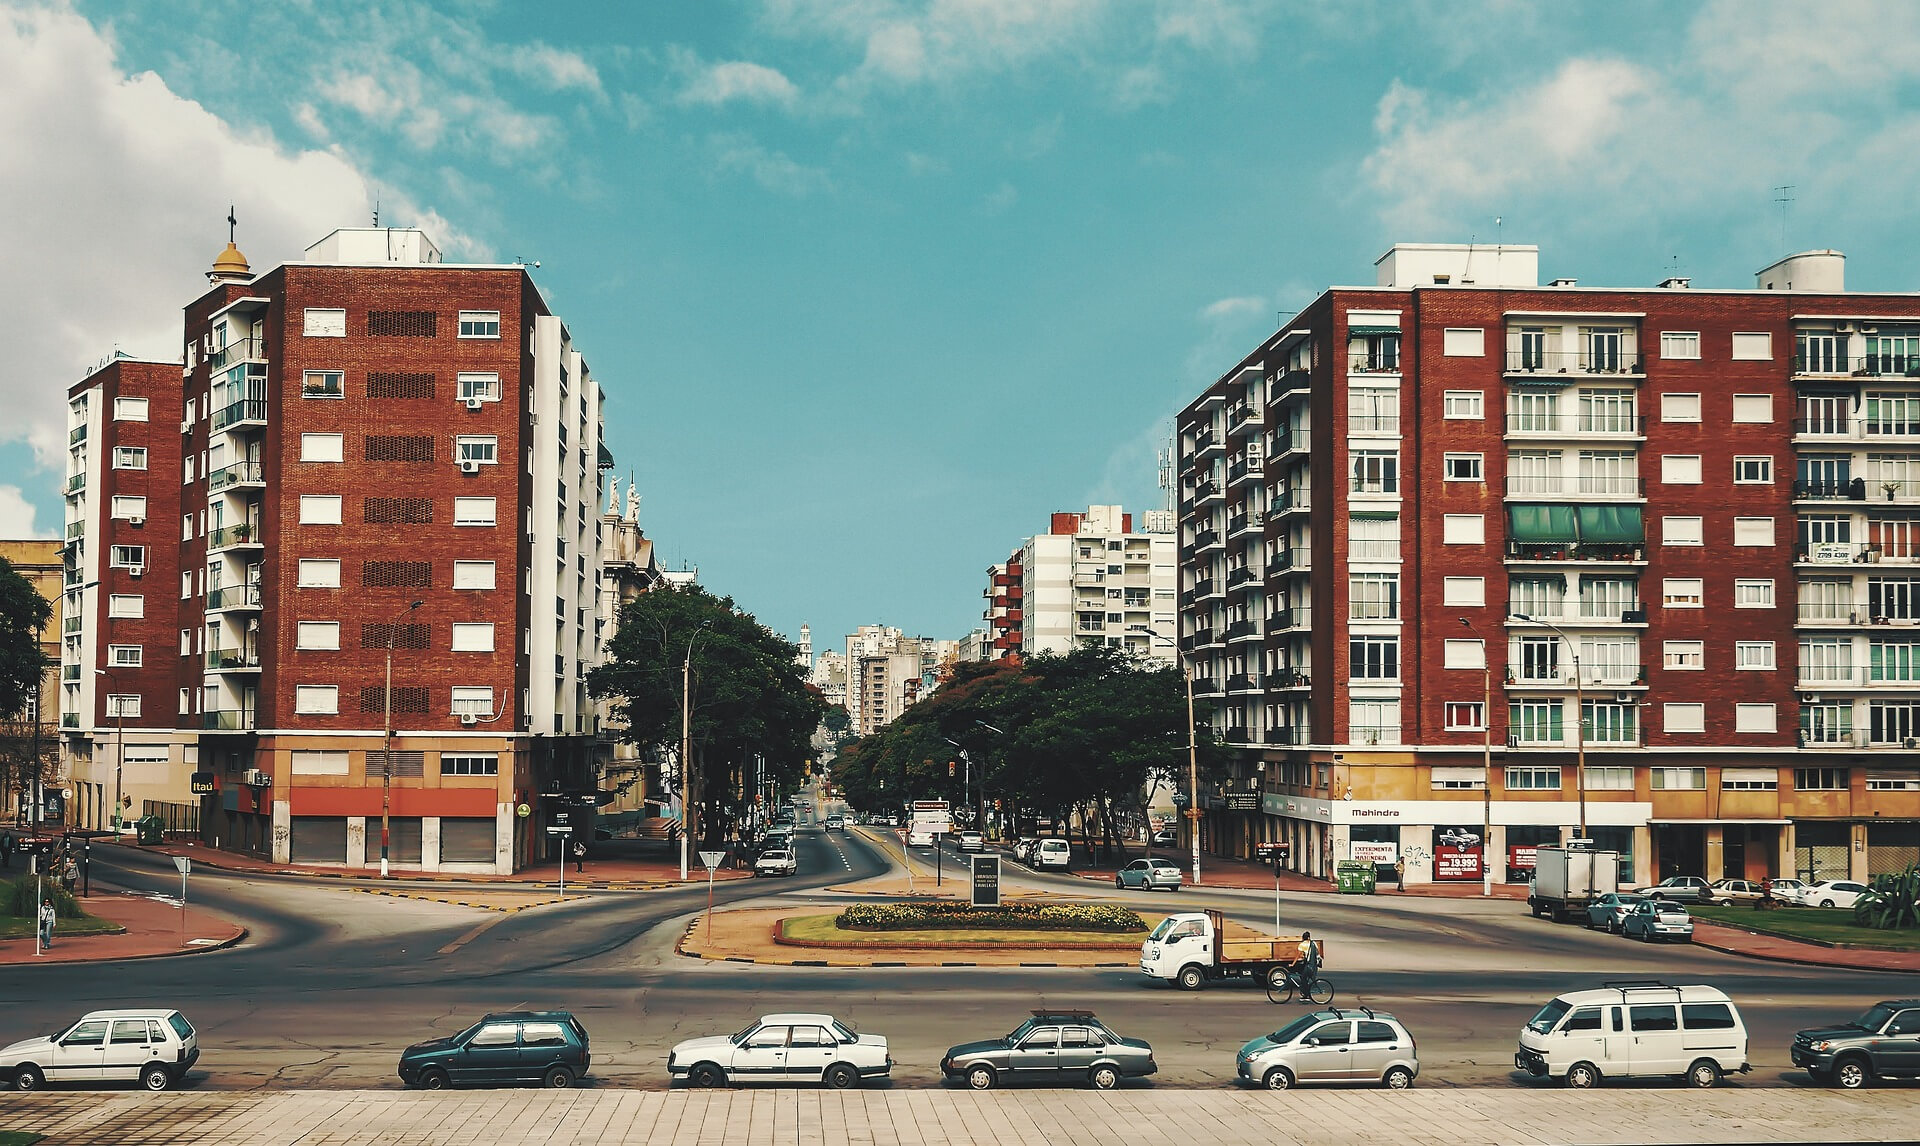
{"type": "Point", "coordinates": [46, 923]}
{"type": "Point", "coordinates": [579, 856]}
{"type": "Point", "coordinates": [69, 874]}
{"type": "Point", "coordinates": [1400, 875]}
{"type": "Point", "coordinates": [7, 846]}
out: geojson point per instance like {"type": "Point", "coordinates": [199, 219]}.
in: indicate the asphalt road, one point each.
{"type": "Point", "coordinates": [333, 984]}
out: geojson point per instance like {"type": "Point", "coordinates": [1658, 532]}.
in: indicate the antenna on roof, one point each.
{"type": "Point", "coordinates": [1783, 195]}
{"type": "Point", "coordinates": [376, 210]}
{"type": "Point", "coordinates": [231, 223]}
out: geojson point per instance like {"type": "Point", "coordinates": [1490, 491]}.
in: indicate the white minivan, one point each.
{"type": "Point", "coordinates": [1635, 1029]}
{"type": "Point", "coordinates": [1052, 853]}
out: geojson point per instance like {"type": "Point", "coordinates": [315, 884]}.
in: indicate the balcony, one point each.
{"type": "Point", "coordinates": [232, 660]}
{"type": "Point", "coordinates": [1822, 365]}
{"type": "Point", "coordinates": [1242, 682]}
{"type": "Point", "coordinates": [1283, 620]}
{"type": "Point", "coordinates": [1580, 620]}
{"type": "Point", "coordinates": [1208, 588]}
{"type": "Point", "coordinates": [1238, 734]}
{"type": "Point", "coordinates": [227, 720]}
{"type": "Point", "coordinates": [76, 483]}
{"type": "Point", "coordinates": [1243, 469]}
{"type": "Point", "coordinates": [1364, 424]}
{"type": "Point", "coordinates": [240, 474]}
{"type": "Point", "coordinates": [1204, 686]}
{"type": "Point", "coordinates": [76, 530]}
{"type": "Point", "coordinates": [1239, 576]}
{"type": "Point", "coordinates": [1286, 735]}
{"type": "Point", "coordinates": [1373, 363]}
{"type": "Point", "coordinates": [1586, 486]}
{"type": "Point", "coordinates": [1835, 738]}
{"type": "Point", "coordinates": [1205, 441]}
{"type": "Point", "coordinates": [233, 597]}
{"type": "Point", "coordinates": [1858, 489]}
{"type": "Point", "coordinates": [239, 350]}
{"type": "Point", "coordinates": [1090, 577]}
{"type": "Point", "coordinates": [1594, 362]}
{"type": "Point", "coordinates": [1850, 676]}
{"type": "Point", "coordinates": [1290, 561]}
{"type": "Point", "coordinates": [77, 435]}
{"type": "Point", "coordinates": [1597, 676]}
{"type": "Point", "coordinates": [233, 537]}
{"type": "Point", "coordinates": [1239, 630]}
{"type": "Point", "coordinates": [69, 720]}
{"type": "Point", "coordinates": [70, 674]}
{"type": "Point", "coordinates": [1290, 442]}
{"type": "Point", "coordinates": [1198, 639]}
{"type": "Point", "coordinates": [247, 413]}
{"type": "Point", "coordinates": [1835, 614]}
{"type": "Point", "coordinates": [1207, 539]}
{"type": "Point", "coordinates": [1289, 678]}
{"type": "Point", "coordinates": [1243, 524]}
{"type": "Point", "coordinates": [1286, 501]}
{"type": "Point", "coordinates": [1373, 734]}
{"type": "Point", "coordinates": [1560, 551]}
{"type": "Point", "coordinates": [1602, 425]}
{"type": "Point", "coordinates": [1205, 490]}
{"type": "Point", "coordinates": [1290, 384]}
{"type": "Point", "coordinates": [1242, 419]}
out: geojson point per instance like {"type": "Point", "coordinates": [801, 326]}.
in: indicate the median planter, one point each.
{"type": "Point", "coordinates": [1009, 917]}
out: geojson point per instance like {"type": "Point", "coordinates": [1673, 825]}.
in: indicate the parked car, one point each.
{"type": "Point", "coordinates": [1883, 1043]}
{"type": "Point", "coordinates": [1652, 919]}
{"type": "Point", "coordinates": [1635, 1029]}
{"type": "Point", "coordinates": [1148, 874]}
{"type": "Point", "coordinates": [1023, 849]}
{"type": "Point", "coordinates": [155, 1046]}
{"type": "Point", "coordinates": [1832, 893]}
{"type": "Point", "coordinates": [1332, 1046]}
{"type": "Point", "coordinates": [1165, 838]}
{"type": "Point", "coordinates": [1608, 910]}
{"type": "Point", "coordinates": [1052, 1048]}
{"type": "Point", "coordinates": [776, 861]}
{"type": "Point", "coordinates": [1688, 887]}
{"type": "Point", "coordinates": [970, 842]}
{"type": "Point", "coordinates": [783, 1049]}
{"type": "Point", "coordinates": [1051, 853]}
{"type": "Point", "coordinates": [549, 1047]}
{"type": "Point", "coordinates": [1457, 838]}
{"type": "Point", "coordinates": [1737, 891]}
{"type": "Point", "coordinates": [1785, 890]}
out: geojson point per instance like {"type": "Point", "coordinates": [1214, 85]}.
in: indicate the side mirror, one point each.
{"type": "Point", "coordinates": [1313, 1042]}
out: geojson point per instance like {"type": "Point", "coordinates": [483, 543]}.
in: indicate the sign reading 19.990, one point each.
{"type": "Point", "coordinates": [986, 881]}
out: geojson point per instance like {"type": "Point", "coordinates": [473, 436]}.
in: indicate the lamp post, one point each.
{"type": "Point", "coordinates": [119, 751]}
{"type": "Point", "coordinates": [1579, 719]}
{"type": "Point", "coordinates": [1486, 782]}
{"type": "Point", "coordinates": [386, 754]}
{"type": "Point", "coordinates": [1193, 750]}
{"type": "Point", "coordinates": [686, 745]}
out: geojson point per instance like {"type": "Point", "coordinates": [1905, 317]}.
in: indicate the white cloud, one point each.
{"type": "Point", "coordinates": [1233, 308]}
{"type": "Point", "coordinates": [17, 514]}
{"type": "Point", "coordinates": [773, 170]}
{"type": "Point", "coordinates": [1001, 199]}
{"type": "Point", "coordinates": [554, 68]}
{"type": "Point", "coordinates": [715, 84]}
{"type": "Point", "coordinates": [905, 42]}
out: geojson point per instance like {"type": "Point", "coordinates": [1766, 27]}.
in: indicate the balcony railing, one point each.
{"type": "Point", "coordinates": [1289, 678]}
{"type": "Point", "coordinates": [1602, 362]}
{"type": "Point", "coordinates": [231, 659]}
{"type": "Point", "coordinates": [76, 529]}
{"type": "Point", "coordinates": [1857, 489]}
{"type": "Point", "coordinates": [1293, 441]}
{"type": "Point", "coordinates": [231, 535]}
{"type": "Point", "coordinates": [1205, 589]}
{"type": "Point", "coordinates": [1854, 675]}
{"type": "Point", "coordinates": [1585, 486]}
{"type": "Point", "coordinates": [1239, 523]}
{"type": "Point", "coordinates": [1851, 613]}
{"type": "Point", "coordinates": [1240, 629]}
{"type": "Point", "coordinates": [233, 597]}
{"type": "Point", "coordinates": [239, 350]}
{"type": "Point", "coordinates": [1600, 425]}
{"type": "Point", "coordinates": [1204, 686]}
{"type": "Point", "coordinates": [1289, 383]}
{"type": "Point", "coordinates": [1241, 682]}
{"type": "Point", "coordinates": [1373, 364]}
{"type": "Point", "coordinates": [1594, 676]}
{"type": "Point", "coordinates": [1373, 734]}
{"type": "Point", "coordinates": [1297, 617]}
{"type": "Point", "coordinates": [1875, 365]}
{"type": "Point", "coordinates": [1247, 467]}
{"type": "Point", "coordinates": [77, 435]}
{"type": "Point", "coordinates": [77, 482]}
{"type": "Point", "coordinates": [227, 720]}
{"type": "Point", "coordinates": [1206, 439]}
{"type": "Point", "coordinates": [239, 473]}
{"type": "Point", "coordinates": [1373, 424]}
{"type": "Point", "coordinates": [1286, 735]}
{"type": "Point", "coordinates": [1833, 738]}
{"type": "Point", "coordinates": [1570, 551]}
{"type": "Point", "coordinates": [245, 410]}
{"type": "Point", "coordinates": [1198, 639]}
{"type": "Point", "coordinates": [1240, 576]}
{"type": "Point", "coordinates": [1206, 539]}
{"type": "Point", "coordinates": [1237, 734]}
{"type": "Point", "coordinates": [1205, 490]}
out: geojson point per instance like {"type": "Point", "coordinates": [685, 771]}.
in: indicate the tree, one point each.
{"type": "Point", "coordinates": [750, 703]}
{"type": "Point", "coordinates": [24, 615]}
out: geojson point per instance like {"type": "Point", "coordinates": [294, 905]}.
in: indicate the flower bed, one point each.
{"type": "Point", "coordinates": [1010, 916]}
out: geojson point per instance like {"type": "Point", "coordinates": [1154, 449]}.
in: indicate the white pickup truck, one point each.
{"type": "Point", "coordinates": [1190, 948]}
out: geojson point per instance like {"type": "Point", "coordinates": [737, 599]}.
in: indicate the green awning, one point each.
{"type": "Point", "coordinates": [1619, 524]}
{"type": "Point", "coordinates": [1541, 381]}
{"type": "Point", "coordinates": [1544, 523]}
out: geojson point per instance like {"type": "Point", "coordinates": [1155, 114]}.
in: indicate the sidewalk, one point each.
{"type": "Point", "coordinates": [1775, 949]}
{"type": "Point", "coordinates": [602, 871]}
{"type": "Point", "coordinates": [150, 927]}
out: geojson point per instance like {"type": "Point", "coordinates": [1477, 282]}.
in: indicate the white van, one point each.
{"type": "Point", "coordinates": [1635, 1030]}
{"type": "Point", "coordinates": [1052, 853]}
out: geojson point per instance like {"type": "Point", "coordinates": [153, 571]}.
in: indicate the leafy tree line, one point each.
{"type": "Point", "coordinates": [1082, 737]}
{"type": "Point", "coordinates": [749, 700]}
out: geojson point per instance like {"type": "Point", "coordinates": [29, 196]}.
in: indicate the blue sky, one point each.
{"type": "Point", "coordinates": [876, 285]}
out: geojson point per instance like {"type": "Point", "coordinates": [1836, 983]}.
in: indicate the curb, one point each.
{"type": "Point", "coordinates": [424, 879]}
{"type": "Point", "coordinates": [224, 944]}
{"type": "Point", "coordinates": [1806, 961]}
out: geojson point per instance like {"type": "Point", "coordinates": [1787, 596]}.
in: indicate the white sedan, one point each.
{"type": "Point", "coordinates": [1832, 893]}
{"type": "Point", "coordinates": [776, 861]}
{"type": "Point", "coordinates": [781, 1050]}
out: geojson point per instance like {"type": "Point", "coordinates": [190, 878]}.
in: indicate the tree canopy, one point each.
{"type": "Point", "coordinates": [23, 614]}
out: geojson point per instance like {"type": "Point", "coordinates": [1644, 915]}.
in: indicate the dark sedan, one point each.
{"type": "Point", "coordinates": [548, 1047]}
{"type": "Point", "coordinates": [1053, 1048]}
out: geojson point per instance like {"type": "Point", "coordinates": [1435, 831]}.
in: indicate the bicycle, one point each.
{"type": "Point", "coordinates": [1284, 982]}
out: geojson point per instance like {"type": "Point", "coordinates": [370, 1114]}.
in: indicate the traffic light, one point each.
{"type": "Point", "coordinates": [950, 767]}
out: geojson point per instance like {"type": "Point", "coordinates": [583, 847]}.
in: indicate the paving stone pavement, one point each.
{"type": "Point", "coordinates": [1135, 1116]}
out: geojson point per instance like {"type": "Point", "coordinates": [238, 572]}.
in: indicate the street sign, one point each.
{"type": "Point", "coordinates": [1243, 801]}
{"type": "Point", "coordinates": [523, 811]}
{"type": "Point", "coordinates": [986, 881]}
{"type": "Point", "coordinates": [182, 864]}
{"type": "Point", "coordinates": [712, 859]}
{"type": "Point", "coordinates": [559, 830]}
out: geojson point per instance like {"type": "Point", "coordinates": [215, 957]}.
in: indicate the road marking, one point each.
{"type": "Point", "coordinates": [470, 936]}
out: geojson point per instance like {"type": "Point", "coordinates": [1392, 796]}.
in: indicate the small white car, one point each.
{"type": "Point", "coordinates": [1787, 890]}
{"type": "Point", "coordinates": [1832, 893]}
{"type": "Point", "coordinates": [1052, 853]}
{"type": "Point", "coordinates": [1149, 875]}
{"type": "Point", "coordinates": [155, 1046]}
{"type": "Point", "coordinates": [781, 1050]}
{"type": "Point", "coordinates": [776, 861]}
{"type": "Point", "coordinates": [970, 842]}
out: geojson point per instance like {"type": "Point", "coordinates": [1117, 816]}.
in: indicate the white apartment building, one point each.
{"type": "Point", "coordinates": [1093, 578]}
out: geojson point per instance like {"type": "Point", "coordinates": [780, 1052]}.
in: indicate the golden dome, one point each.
{"type": "Point", "coordinates": [230, 265]}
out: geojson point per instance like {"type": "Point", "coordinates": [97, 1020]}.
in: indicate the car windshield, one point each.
{"type": "Point", "coordinates": [1549, 1017]}
{"type": "Point", "coordinates": [1631, 899]}
{"type": "Point", "coordinates": [1160, 932]}
{"type": "Point", "coordinates": [1875, 1018]}
{"type": "Point", "coordinates": [1294, 1029]}
{"type": "Point", "coordinates": [845, 1031]}
{"type": "Point", "coordinates": [740, 1036]}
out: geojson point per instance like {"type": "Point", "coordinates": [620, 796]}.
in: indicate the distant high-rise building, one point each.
{"type": "Point", "coordinates": [1093, 579]}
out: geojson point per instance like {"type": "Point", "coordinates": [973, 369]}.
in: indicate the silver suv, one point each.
{"type": "Point", "coordinates": [1334, 1045]}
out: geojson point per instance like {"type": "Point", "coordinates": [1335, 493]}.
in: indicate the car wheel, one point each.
{"type": "Point", "coordinates": [434, 1080]}
{"type": "Point", "coordinates": [559, 1078]}
{"type": "Point", "coordinates": [1826, 903]}
{"type": "Point", "coordinates": [29, 1077]}
{"type": "Point", "coordinates": [1704, 1074]}
{"type": "Point", "coordinates": [840, 1076]}
{"type": "Point", "coordinates": [1583, 1076]}
{"type": "Point", "coordinates": [980, 1078]}
{"type": "Point", "coordinates": [1191, 978]}
{"type": "Point", "coordinates": [155, 1077]}
{"type": "Point", "coordinates": [1852, 1074]}
{"type": "Point", "coordinates": [1279, 1078]}
{"type": "Point", "coordinates": [1119, 884]}
{"type": "Point", "coordinates": [1399, 1078]}
{"type": "Point", "coordinates": [1103, 1077]}
{"type": "Point", "coordinates": [706, 1076]}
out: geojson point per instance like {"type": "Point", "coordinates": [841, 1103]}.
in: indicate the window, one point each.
{"type": "Point", "coordinates": [1536, 596]}
{"type": "Point", "coordinates": [1677, 779]}
{"type": "Point", "coordinates": [1754, 718]}
{"type": "Point", "coordinates": [1374, 596]}
{"type": "Point", "coordinates": [1753, 655]}
{"type": "Point", "coordinates": [325, 322]}
{"type": "Point", "coordinates": [1464, 404]}
{"type": "Point", "coordinates": [1465, 716]}
{"type": "Point", "coordinates": [323, 384]}
{"type": "Point", "coordinates": [322, 447]}
{"type": "Point", "coordinates": [123, 704]}
{"type": "Point", "coordinates": [1679, 344]}
{"type": "Point", "coordinates": [483, 386]}
{"type": "Point", "coordinates": [1463, 529]}
{"type": "Point", "coordinates": [1464, 591]}
{"type": "Point", "coordinates": [1376, 471]}
{"type": "Point", "coordinates": [129, 457]}
{"type": "Point", "coordinates": [1652, 1018]}
{"type": "Point", "coordinates": [1753, 347]}
{"type": "Point", "coordinates": [1684, 717]}
{"type": "Point", "coordinates": [473, 638]}
{"type": "Point", "coordinates": [1533, 779]}
{"type": "Point", "coordinates": [1466, 654]}
{"type": "Point", "coordinates": [318, 635]}
{"type": "Point", "coordinates": [473, 574]}
{"type": "Point", "coordinates": [1752, 408]}
{"type": "Point", "coordinates": [1820, 779]}
{"type": "Point", "coordinates": [1535, 722]}
{"type": "Point", "coordinates": [1749, 779]}
{"type": "Point", "coordinates": [1463, 467]}
{"type": "Point", "coordinates": [1680, 469]}
{"type": "Point", "coordinates": [1459, 342]}
{"type": "Point", "coordinates": [1679, 407]}
{"type": "Point", "coordinates": [126, 656]}
{"type": "Point", "coordinates": [1896, 660]}
{"type": "Point", "coordinates": [129, 409]}
{"type": "Point", "coordinates": [1753, 531]}
{"type": "Point", "coordinates": [128, 557]}
{"type": "Point", "coordinates": [471, 700]}
{"type": "Point", "coordinates": [475, 764]}
{"type": "Point", "coordinates": [129, 507]}
{"type": "Point", "coordinates": [1683, 655]}
{"type": "Point", "coordinates": [316, 699]}
{"type": "Point", "coordinates": [1682, 592]}
{"type": "Point", "coordinates": [1374, 658]}
{"type": "Point", "coordinates": [1752, 471]}
{"type": "Point", "coordinates": [1608, 598]}
{"type": "Point", "coordinates": [319, 509]}
{"type": "Point", "coordinates": [482, 448]}
{"type": "Point", "coordinates": [1610, 778]}
{"type": "Point", "coordinates": [1887, 781]}
{"type": "Point", "coordinates": [1373, 539]}
{"type": "Point", "coordinates": [473, 510]}
{"type": "Point", "coordinates": [1374, 721]}
{"type": "Point", "coordinates": [479, 324]}
{"type": "Point", "coordinates": [1707, 1016]}
{"type": "Point", "coordinates": [1608, 722]}
{"type": "Point", "coordinates": [319, 573]}
{"type": "Point", "coordinates": [127, 606]}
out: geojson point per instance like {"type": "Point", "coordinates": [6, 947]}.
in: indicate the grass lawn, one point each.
{"type": "Point", "coordinates": [821, 929]}
{"type": "Point", "coordinates": [1826, 924]}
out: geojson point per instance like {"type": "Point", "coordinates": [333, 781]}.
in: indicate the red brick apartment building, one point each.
{"type": "Point", "coordinates": [1444, 538]}
{"type": "Point", "coordinates": [1006, 609]}
{"type": "Point", "coordinates": [369, 452]}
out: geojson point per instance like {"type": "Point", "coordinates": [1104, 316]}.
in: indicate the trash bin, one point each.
{"type": "Point", "coordinates": [149, 829]}
{"type": "Point", "coordinates": [1352, 877]}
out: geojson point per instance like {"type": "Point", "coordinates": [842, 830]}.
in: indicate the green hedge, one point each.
{"type": "Point", "coordinates": [16, 898]}
{"type": "Point", "coordinates": [1011, 916]}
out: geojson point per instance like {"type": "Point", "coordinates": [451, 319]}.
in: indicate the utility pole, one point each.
{"type": "Point", "coordinates": [687, 787]}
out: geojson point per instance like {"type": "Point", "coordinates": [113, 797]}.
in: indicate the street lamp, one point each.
{"type": "Point", "coordinates": [686, 744]}
{"type": "Point", "coordinates": [386, 756]}
{"type": "Point", "coordinates": [1579, 718]}
{"type": "Point", "coordinates": [1486, 782]}
{"type": "Point", "coordinates": [1193, 750]}
{"type": "Point", "coordinates": [119, 748]}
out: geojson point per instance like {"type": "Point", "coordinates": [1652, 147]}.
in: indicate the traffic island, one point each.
{"type": "Point", "coordinates": [784, 936]}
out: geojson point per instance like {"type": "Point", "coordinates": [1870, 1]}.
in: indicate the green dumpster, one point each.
{"type": "Point", "coordinates": [1352, 877]}
{"type": "Point", "coordinates": [149, 828]}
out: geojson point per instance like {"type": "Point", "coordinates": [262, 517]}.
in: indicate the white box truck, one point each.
{"type": "Point", "coordinates": [1567, 880]}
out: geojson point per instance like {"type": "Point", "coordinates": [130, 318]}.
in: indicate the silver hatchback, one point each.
{"type": "Point", "coordinates": [1148, 874]}
{"type": "Point", "coordinates": [1333, 1045]}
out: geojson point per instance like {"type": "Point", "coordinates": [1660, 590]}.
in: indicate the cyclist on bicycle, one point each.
{"type": "Point", "coordinates": [1307, 967]}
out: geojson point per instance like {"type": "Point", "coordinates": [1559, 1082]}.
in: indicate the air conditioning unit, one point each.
{"type": "Point", "coordinates": [475, 403]}
{"type": "Point", "coordinates": [1813, 698]}
{"type": "Point", "coordinates": [136, 521]}
{"type": "Point", "coordinates": [469, 718]}
{"type": "Point", "coordinates": [1623, 698]}
{"type": "Point", "coordinates": [136, 570]}
{"type": "Point", "coordinates": [1912, 742]}
{"type": "Point", "coordinates": [469, 466]}
{"type": "Point", "coordinates": [256, 778]}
